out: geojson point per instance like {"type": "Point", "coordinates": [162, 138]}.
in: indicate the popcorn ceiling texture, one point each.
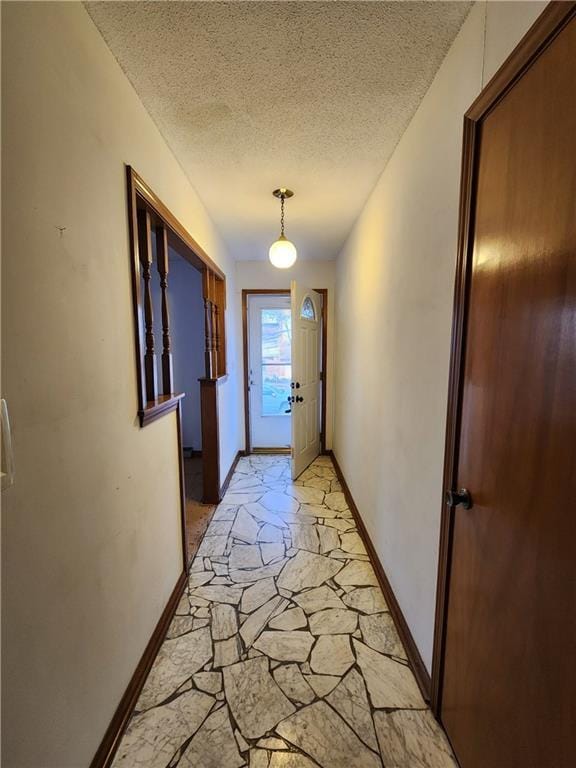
{"type": "Point", "coordinates": [254, 95]}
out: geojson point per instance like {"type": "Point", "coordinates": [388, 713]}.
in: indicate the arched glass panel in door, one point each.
{"type": "Point", "coordinates": [307, 310]}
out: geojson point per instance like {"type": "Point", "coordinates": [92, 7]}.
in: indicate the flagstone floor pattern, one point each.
{"type": "Point", "coordinates": [282, 652]}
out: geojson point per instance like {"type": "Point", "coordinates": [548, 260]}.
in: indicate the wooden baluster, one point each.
{"type": "Point", "coordinates": [221, 306]}
{"type": "Point", "coordinates": [215, 328]}
{"type": "Point", "coordinates": [217, 339]}
{"type": "Point", "coordinates": [208, 350]}
{"type": "Point", "coordinates": [214, 337]}
{"type": "Point", "coordinates": [145, 256]}
{"type": "Point", "coordinates": [207, 323]}
{"type": "Point", "coordinates": [162, 263]}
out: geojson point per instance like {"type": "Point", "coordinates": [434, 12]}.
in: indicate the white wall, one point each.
{"type": "Point", "coordinates": [313, 274]}
{"type": "Point", "coordinates": [393, 321]}
{"type": "Point", "coordinates": [91, 532]}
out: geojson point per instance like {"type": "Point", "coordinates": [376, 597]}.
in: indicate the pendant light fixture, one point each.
{"type": "Point", "coordinates": [282, 253]}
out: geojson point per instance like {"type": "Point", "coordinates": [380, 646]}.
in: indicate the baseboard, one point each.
{"type": "Point", "coordinates": [226, 482]}
{"type": "Point", "coordinates": [272, 451]}
{"type": "Point", "coordinates": [418, 667]}
{"type": "Point", "coordinates": [109, 744]}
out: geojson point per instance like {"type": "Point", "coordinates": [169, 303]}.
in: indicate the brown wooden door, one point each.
{"type": "Point", "coordinates": [509, 676]}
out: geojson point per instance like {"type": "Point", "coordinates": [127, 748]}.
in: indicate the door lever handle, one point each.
{"type": "Point", "coordinates": [460, 498]}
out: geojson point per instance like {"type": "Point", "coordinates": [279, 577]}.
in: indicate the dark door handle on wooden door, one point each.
{"type": "Point", "coordinates": [460, 498]}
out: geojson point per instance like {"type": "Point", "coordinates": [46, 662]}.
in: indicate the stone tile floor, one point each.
{"type": "Point", "coordinates": [282, 653]}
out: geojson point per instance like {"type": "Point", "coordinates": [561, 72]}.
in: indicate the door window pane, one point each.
{"type": "Point", "coordinates": [307, 311]}
{"type": "Point", "coordinates": [276, 361]}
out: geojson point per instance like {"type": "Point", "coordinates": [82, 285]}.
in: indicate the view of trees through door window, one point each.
{"type": "Point", "coordinates": [276, 361]}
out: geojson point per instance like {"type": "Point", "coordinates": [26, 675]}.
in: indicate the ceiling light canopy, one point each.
{"type": "Point", "coordinates": [282, 252]}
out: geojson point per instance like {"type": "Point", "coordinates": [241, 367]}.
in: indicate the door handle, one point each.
{"type": "Point", "coordinates": [460, 498]}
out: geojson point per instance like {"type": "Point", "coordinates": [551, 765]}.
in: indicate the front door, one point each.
{"type": "Point", "coordinates": [509, 681]}
{"type": "Point", "coordinates": [269, 370]}
{"type": "Point", "coordinates": [306, 354]}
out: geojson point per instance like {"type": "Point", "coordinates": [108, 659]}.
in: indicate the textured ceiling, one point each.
{"type": "Point", "coordinates": [255, 95]}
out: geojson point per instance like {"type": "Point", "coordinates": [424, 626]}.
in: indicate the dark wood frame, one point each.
{"type": "Point", "coordinates": [548, 25]}
{"type": "Point", "coordinates": [246, 292]}
{"type": "Point", "coordinates": [141, 199]}
{"type": "Point", "coordinates": [144, 209]}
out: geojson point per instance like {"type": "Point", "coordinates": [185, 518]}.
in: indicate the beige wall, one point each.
{"type": "Point", "coordinates": [313, 274]}
{"type": "Point", "coordinates": [91, 537]}
{"type": "Point", "coordinates": [393, 321]}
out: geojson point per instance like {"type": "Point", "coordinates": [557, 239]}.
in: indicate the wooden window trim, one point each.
{"type": "Point", "coordinates": [159, 407]}
{"type": "Point", "coordinates": [139, 186]}
{"type": "Point", "coordinates": [145, 209]}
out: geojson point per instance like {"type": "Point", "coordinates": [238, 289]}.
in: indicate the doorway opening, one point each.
{"type": "Point", "coordinates": [270, 396]}
{"type": "Point", "coordinates": [179, 300]}
{"type": "Point", "coordinates": [270, 372]}
{"type": "Point", "coordinates": [187, 317]}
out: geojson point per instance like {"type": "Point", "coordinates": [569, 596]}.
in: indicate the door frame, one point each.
{"type": "Point", "coordinates": [140, 196]}
{"type": "Point", "coordinates": [246, 292]}
{"type": "Point", "coordinates": [271, 444]}
{"type": "Point", "coordinates": [547, 26]}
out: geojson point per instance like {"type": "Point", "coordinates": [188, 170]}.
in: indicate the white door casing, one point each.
{"type": "Point", "coordinates": [269, 370]}
{"type": "Point", "coordinates": [306, 355]}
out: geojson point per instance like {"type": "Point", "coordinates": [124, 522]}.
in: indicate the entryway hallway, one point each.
{"type": "Point", "coordinates": [403, 175]}
{"type": "Point", "coordinates": [282, 652]}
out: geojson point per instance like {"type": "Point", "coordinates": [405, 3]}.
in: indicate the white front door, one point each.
{"type": "Point", "coordinates": [306, 351]}
{"type": "Point", "coordinates": [269, 371]}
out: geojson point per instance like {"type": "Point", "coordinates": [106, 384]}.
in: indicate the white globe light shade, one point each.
{"type": "Point", "coordinates": [282, 253]}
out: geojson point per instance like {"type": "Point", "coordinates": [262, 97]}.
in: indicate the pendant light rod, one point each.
{"type": "Point", "coordinates": [282, 193]}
